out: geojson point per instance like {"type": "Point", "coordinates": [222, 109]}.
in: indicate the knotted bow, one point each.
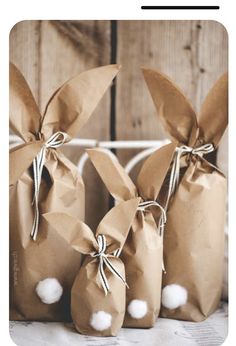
{"type": "Point", "coordinates": [103, 260]}
{"type": "Point", "coordinates": [175, 171]}
{"type": "Point", "coordinates": [55, 141]}
{"type": "Point", "coordinates": [162, 221]}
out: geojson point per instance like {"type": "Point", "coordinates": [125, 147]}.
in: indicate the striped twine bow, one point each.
{"type": "Point", "coordinates": [174, 181]}
{"type": "Point", "coordinates": [55, 141]}
{"type": "Point", "coordinates": [162, 221]}
{"type": "Point", "coordinates": [175, 171]}
{"type": "Point", "coordinates": [103, 260]}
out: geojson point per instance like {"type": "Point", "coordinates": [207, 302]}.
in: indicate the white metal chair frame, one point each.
{"type": "Point", "coordinates": [147, 147]}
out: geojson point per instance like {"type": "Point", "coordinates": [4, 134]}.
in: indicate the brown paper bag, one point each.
{"type": "Point", "coordinates": [194, 233]}
{"type": "Point", "coordinates": [143, 251]}
{"type": "Point", "coordinates": [35, 251]}
{"type": "Point", "coordinates": [98, 293]}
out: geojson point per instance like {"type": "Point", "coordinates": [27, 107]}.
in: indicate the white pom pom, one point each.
{"type": "Point", "coordinates": [49, 290]}
{"type": "Point", "coordinates": [100, 320]}
{"type": "Point", "coordinates": [137, 308]}
{"type": "Point", "coordinates": [174, 296]}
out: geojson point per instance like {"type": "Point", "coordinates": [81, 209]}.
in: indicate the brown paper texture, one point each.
{"type": "Point", "coordinates": [143, 251]}
{"type": "Point", "coordinates": [61, 189]}
{"type": "Point", "coordinates": [194, 233]}
{"type": "Point", "coordinates": [88, 296]}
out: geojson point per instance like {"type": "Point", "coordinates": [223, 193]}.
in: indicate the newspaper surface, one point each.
{"type": "Point", "coordinates": [166, 332]}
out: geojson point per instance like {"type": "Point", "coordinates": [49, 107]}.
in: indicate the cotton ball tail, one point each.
{"type": "Point", "coordinates": [174, 296]}
{"type": "Point", "coordinates": [137, 308]}
{"type": "Point", "coordinates": [49, 290]}
{"type": "Point", "coordinates": [100, 320]}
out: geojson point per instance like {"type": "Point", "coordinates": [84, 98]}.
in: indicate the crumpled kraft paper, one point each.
{"type": "Point", "coordinates": [194, 233]}
{"type": "Point", "coordinates": [142, 253]}
{"type": "Point", "coordinates": [88, 295]}
{"type": "Point", "coordinates": [61, 189]}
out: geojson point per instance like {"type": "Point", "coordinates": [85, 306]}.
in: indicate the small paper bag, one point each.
{"type": "Point", "coordinates": [143, 251]}
{"type": "Point", "coordinates": [42, 179]}
{"type": "Point", "coordinates": [194, 233]}
{"type": "Point", "coordinates": [98, 293]}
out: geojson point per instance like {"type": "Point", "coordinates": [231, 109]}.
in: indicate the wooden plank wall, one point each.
{"type": "Point", "coordinates": [193, 53]}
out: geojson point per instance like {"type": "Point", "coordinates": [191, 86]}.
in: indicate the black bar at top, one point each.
{"type": "Point", "coordinates": [180, 7]}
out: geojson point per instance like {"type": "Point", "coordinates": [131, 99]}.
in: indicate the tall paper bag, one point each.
{"type": "Point", "coordinates": [194, 233]}
{"type": "Point", "coordinates": [98, 293]}
{"type": "Point", "coordinates": [35, 249]}
{"type": "Point", "coordinates": [143, 251]}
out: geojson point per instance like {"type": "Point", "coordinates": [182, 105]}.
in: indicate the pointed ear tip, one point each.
{"type": "Point", "coordinates": [90, 151]}
{"type": "Point", "coordinates": [223, 78]}
{"type": "Point", "coordinates": [116, 67]}
{"type": "Point", "coordinates": [226, 76]}
{"type": "Point", "coordinates": [12, 64]}
{"type": "Point", "coordinates": [145, 70]}
{"type": "Point", "coordinates": [173, 144]}
{"type": "Point", "coordinates": [149, 73]}
{"type": "Point", "coordinates": [170, 148]}
{"type": "Point", "coordinates": [109, 70]}
{"type": "Point", "coordinates": [13, 68]}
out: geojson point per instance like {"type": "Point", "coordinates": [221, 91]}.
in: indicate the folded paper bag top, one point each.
{"type": "Point", "coordinates": [178, 116]}
{"type": "Point", "coordinates": [41, 174]}
{"type": "Point", "coordinates": [143, 250]}
{"type": "Point", "coordinates": [194, 233]}
{"type": "Point", "coordinates": [98, 293]}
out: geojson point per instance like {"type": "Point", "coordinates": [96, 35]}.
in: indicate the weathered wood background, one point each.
{"type": "Point", "coordinates": [193, 53]}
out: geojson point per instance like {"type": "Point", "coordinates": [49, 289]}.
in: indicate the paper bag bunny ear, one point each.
{"type": "Point", "coordinates": [176, 113]}
{"type": "Point", "coordinates": [213, 117]}
{"type": "Point", "coordinates": [71, 106]}
{"type": "Point", "coordinates": [113, 174]}
{"type": "Point", "coordinates": [116, 224]}
{"type": "Point", "coordinates": [75, 232]}
{"type": "Point", "coordinates": [154, 170]}
{"type": "Point", "coordinates": [20, 159]}
{"type": "Point", "coordinates": [25, 117]}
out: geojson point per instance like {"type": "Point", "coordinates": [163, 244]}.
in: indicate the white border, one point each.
{"type": "Point", "coordinates": [15, 11]}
